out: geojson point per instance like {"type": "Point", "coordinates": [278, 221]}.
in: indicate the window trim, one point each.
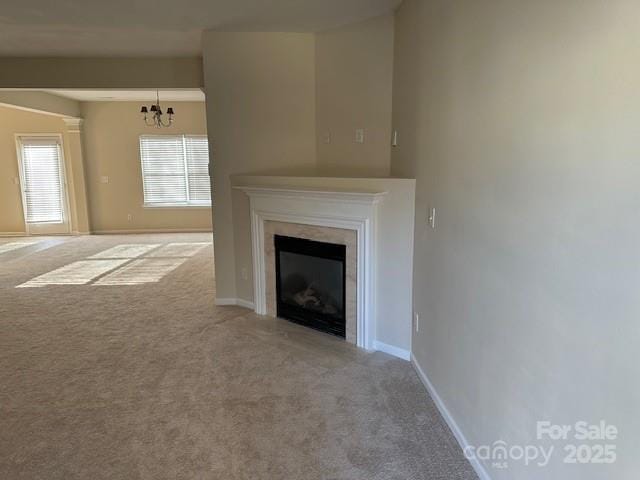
{"type": "Point", "coordinates": [36, 229]}
{"type": "Point", "coordinates": [182, 205]}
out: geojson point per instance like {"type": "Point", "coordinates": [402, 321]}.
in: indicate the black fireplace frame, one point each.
{"type": "Point", "coordinates": [298, 314]}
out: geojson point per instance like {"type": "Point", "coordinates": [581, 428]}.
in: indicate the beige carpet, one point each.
{"type": "Point", "coordinates": [153, 381]}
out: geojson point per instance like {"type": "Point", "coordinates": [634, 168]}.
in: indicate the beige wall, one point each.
{"type": "Point", "coordinates": [261, 114]}
{"type": "Point", "coordinates": [40, 102]}
{"type": "Point", "coordinates": [520, 122]}
{"type": "Point", "coordinates": [15, 121]}
{"type": "Point", "coordinates": [106, 145]}
{"type": "Point", "coordinates": [126, 73]}
{"type": "Point", "coordinates": [111, 133]}
{"type": "Point", "coordinates": [354, 71]}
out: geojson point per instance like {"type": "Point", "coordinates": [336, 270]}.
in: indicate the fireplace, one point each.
{"type": "Point", "coordinates": [310, 283]}
{"type": "Point", "coordinates": [339, 217]}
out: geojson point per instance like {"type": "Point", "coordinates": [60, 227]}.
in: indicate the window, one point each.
{"type": "Point", "coordinates": [42, 180]}
{"type": "Point", "coordinates": [175, 170]}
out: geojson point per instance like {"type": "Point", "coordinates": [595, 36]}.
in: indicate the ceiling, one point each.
{"type": "Point", "coordinates": [183, 95]}
{"type": "Point", "coordinates": [160, 27]}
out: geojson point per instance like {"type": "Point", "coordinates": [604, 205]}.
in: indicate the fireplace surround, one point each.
{"type": "Point", "coordinates": [374, 217]}
{"type": "Point", "coordinates": [351, 213]}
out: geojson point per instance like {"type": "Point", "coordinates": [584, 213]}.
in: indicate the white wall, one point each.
{"type": "Point", "coordinates": [520, 122]}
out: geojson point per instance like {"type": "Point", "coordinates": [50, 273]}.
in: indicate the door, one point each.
{"type": "Point", "coordinates": [42, 180]}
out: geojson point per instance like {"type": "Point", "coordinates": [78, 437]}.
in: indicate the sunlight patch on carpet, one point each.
{"type": "Point", "coordinates": [9, 247]}
{"type": "Point", "coordinates": [179, 249]}
{"type": "Point", "coordinates": [141, 271]}
{"type": "Point", "coordinates": [127, 250]}
{"type": "Point", "coordinates": [76, 273]}
{"type": "Point", "coordinates": [126, 264]}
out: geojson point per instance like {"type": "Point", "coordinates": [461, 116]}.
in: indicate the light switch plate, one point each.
{"type": "Point", "coordinates": [360, 135]}
{"type": "Point", "coordinates": [432, 217]}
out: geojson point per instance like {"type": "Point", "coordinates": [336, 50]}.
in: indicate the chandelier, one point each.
{"type": "Point", "coordinates": [156, 114]}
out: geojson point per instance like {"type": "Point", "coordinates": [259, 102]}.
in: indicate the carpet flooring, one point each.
{"type": "Point", "coordinates": [127, 370]}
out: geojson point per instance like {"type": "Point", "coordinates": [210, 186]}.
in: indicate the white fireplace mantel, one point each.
{"type": "Point", "coordinates": [333, 195]}
{"type": "Point", "coordinates": [347, 209]}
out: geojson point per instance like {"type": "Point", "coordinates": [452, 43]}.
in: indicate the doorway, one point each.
{"type": "Point", "coordinates": [43, 184]}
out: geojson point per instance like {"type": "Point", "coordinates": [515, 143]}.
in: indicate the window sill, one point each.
{"type": "Point", "coordinates": [173, 206]}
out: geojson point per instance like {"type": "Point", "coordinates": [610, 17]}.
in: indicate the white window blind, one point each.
{"type": "Point", "coordinates": [175, 170]}
{"type": "Point", "coordinates": [43, 179]}
{"type": "Point", "coordinates": [197, 155]}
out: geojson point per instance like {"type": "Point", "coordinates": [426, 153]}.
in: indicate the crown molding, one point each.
{"type": "Point", "coordinates": [74, 125]}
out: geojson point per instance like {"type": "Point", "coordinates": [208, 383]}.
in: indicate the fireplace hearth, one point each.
{"type": "Point", "coordinates": [310, 283]}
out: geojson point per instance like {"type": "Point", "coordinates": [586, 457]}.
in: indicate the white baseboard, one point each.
{"type": "Point", "coordinates": [444, 411]}
{"type": "Point", "coordinates": [223, 302]}
{"type": "Point", "coordinates": [152, 230]}
{"type": "Point", "coordinates": [14, 234]}
{"type": "Point", "coordinates": [119, 232]}
{"type": "Point", "coordinates": [235, 301]}
{"type": "Point", "coordinates": [391, 350]}
{"type": "Point", "coordinates": [245, 303]}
